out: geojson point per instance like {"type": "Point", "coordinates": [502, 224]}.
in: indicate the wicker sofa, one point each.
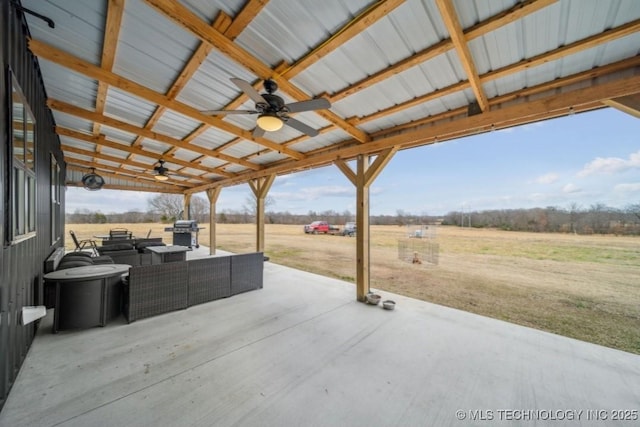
{"type": "Point", "coordinates": [129, 251]}
{"type": "Point", "coordinates": [155, 289]}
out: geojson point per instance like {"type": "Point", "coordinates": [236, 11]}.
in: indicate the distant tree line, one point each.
{"type": "Point", "coordinates": [597, 218]}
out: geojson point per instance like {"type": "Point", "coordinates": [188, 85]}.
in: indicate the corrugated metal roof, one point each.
{"type": "Point", "coordinates": [153, 50]}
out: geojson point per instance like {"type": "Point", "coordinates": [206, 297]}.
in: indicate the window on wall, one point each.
{"type": "Point", "coordinates": [55, 200]}
{"type": "Point", "coordinates": [22, 214]}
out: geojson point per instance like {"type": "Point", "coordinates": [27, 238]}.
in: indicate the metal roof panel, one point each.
{"type": "Point", "coordinates": [83, 38]}
{"type": "Point", "coordinates": [128, 108]}
{"type": "Point", "coordinates": [151, 50]}
{"type": "Point", "coordinates": [175, 124]}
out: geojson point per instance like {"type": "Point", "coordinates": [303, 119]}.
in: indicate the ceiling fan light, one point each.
{"type": "Point", "coordinates": [270, 122]}
{"type": "Point", "coordinates": [161, 177]}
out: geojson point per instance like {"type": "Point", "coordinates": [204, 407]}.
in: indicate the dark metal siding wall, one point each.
{"type": "Point", "coordinates": [21, 264]}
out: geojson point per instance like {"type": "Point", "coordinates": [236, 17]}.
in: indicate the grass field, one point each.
{"type": "Point", "coordinates": [584, 287]}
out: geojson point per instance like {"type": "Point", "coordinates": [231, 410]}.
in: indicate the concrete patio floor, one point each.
{"type": "Point", "coordinates": [303, 352]}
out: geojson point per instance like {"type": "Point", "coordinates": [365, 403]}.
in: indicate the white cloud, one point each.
{"type": "Point", "coordinates": [610, 165]}
{"type": "Point", "coordinates": [548, 178]}
{"type": "Point", "coordinates": [627, 188]}
{"type": "Point", "coordinates": [571, 188]}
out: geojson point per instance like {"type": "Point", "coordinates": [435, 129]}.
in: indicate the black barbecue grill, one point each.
{"type": "Point", "coordinates": [185, 233]}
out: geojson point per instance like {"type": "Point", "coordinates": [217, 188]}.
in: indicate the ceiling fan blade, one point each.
{"type": "Point", "coordinates": [298, 125]}
{"type": "Point", "coordinates": [246, 87]}
{"type": "Point", "coordinates": [220, 112]}
{"type": "Point", "coordinates": [258, 132]}
{"type": "Point", "coordinates": [312, 104]}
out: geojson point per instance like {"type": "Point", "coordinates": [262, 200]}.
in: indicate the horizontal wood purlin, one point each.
{"type": "Point", "coordinates": [144, 184]}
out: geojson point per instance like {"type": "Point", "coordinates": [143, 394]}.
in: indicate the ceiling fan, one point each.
{"type": "Point", "coordinates": [160, 172]}
{"type": "Point", "coordinates": [272, 112]}
{"type": "Point", "coordinates": [92, 181]}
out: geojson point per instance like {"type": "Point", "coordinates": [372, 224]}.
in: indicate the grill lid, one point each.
{"type": "Point", "coordinates": [185, 223]}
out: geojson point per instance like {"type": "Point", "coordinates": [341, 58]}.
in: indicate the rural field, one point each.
{"type": "Point", "coordinates": [584, 287]}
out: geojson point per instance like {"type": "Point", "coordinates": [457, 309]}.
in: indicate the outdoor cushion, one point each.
{"type": "Point", "coordinates": [73, 263]}
{"type": "Point", "coordinates": [76, 255]}
{"type": "Point", "coordinates": [142, 245]}
{"type": "Point", "coordinates": [102, 259]}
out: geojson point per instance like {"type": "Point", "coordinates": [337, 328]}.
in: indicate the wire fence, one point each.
{"type": "Point", "coordinates": [418, 251]}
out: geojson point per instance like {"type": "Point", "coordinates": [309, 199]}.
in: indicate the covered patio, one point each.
{"type": "Point", "coordinates": [171, 97]}
{"type": "Point", "coordinates": [303, 351]}
{"type": "Point", "coordinates": [152, 95]}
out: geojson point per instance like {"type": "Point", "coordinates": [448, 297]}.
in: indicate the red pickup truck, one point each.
{"type": "Point", "coordinates": [317, 227]}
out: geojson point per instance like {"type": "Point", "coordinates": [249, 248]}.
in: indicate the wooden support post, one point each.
{"type": "Point", "coordinates": [363, 178]}
{"type": "Point", "coordinates": [260, 188]}
{"type": "Point", "coordinates": [186, 206]}
{"type": "Point", "coordinates": [212, 194]}
{"type": "Point", "coordinates": [363, 246]}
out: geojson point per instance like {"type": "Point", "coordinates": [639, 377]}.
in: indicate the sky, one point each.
{"type": "Point", "coordinates": [584, 159]}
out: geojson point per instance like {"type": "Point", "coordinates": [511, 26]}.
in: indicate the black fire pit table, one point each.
{"type": "Point", "coordinates": [86, 296]}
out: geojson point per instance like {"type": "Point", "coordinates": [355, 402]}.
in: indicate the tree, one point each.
{"type": "Point", "coordinates": [199, 208]}
{"type": "Point", "coordinates": [99, 218]}
{"type": "Point", "coordinates": [574, 212]}
{"type": "Point", "coordinates": [251, 204]}
{"type": "Point", "coordinates": [634, 210]}
{"type": "Point", "coordinates": [168, 206]}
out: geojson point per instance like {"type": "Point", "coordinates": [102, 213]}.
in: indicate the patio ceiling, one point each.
{"type": "Point", "coordinates": [127, 80]}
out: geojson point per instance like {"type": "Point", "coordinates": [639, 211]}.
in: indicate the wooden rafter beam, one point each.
{"type": "Point", "coordinates": [511, 114]}
{"type": "Point", "coordinates": [230, 28]}
{"type": "Point", "coordinates": [193, 64]}
{"type": "Point", "coordinates": [354, 27]}
{"type": "Point", "coordinates": [179, 83]}
{"type": "Point", "coordinates": [90, 115]}
{"type": "Point", "coordinates": [360, 23]}
{"type": "Point", "coordinates": [595, 72]}
{"type": "Point", "coordinates": [450, 18]}
{"type": "Point", "coordinates": [570, 49]}
{"type": "Point", "coordinates": [50, 53]}
{"type": "Point", "coordinates": [118, 173]}
{"type": "Point", "coordinates": [143, 166]}
{"type": "Point", "coordinates": [115, 10]}
{"type": "Point", "coordinates": [557, 84]}
{"type": "Point", "coordinates": [185, 18]}
{"type": "Point", "coordinates": [423, 56]}
{"type": "Point", "coordinates": [155, 185]}
{"type": "Point", "coordinates": [519, 11]}
{"type": "Point", "coordinates": [249, 11]}
{"type": "Point", "coordinates": [103, 141]}
{"type": "Point", "coordinates": [456, 87]}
